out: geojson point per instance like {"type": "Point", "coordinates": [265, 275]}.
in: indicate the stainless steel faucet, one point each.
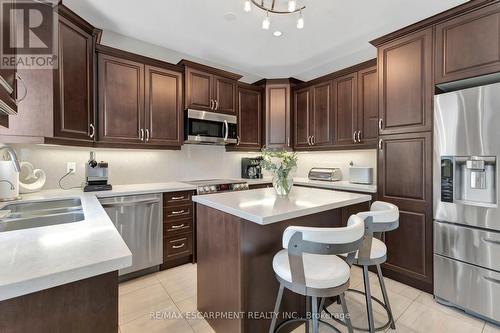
{"type": "Point", "coordinates": [13, 157]}
{"type": "Point", "coordinates": [12, 187]}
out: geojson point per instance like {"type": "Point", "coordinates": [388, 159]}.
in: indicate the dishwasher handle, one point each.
{"type": "Point", "coordinates": [130, 203]}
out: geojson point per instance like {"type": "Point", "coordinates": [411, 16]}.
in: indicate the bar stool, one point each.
{"type": "Point", "coordinates": [382, 217]}
{"type": "Point", "coordinates": [309, 266]}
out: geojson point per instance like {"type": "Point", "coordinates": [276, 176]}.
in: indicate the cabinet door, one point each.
{"type": "Point", "coordinates": [321, 116]}
{"type": "Point", "coordinates": [368, 105]}
{"type": "Point", "coordinates": [405, 179]}
{"type": "Point", "coordinates": [345, 104]}
{"type": "Point", "coordinates": [302, 113]}
{"type": "Point", "coordinates": [199, 90]}
{"type": "Point", "coordinates": [278, 116]}
{"type": "Point", "coordinates": [224, 95]}
{"type": "Point", "coordinates": [469, 45]}
{"type": "Point", "coordinates": [73, 84]}
{"type": "Point", "coordinates": [249, 118]}
{"type": "Point", "coordinates": [405, 84]}
{"type": "Point", "coordinates": [121, 100]}
{"type": "Point", "coordinates": [163, 98]}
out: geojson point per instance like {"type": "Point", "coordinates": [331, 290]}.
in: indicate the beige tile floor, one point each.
{"type": "Point", "coordinates": [174, 292]}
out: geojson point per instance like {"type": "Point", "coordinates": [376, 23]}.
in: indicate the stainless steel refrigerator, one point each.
{"type": "Point", "coordinates": [466, 211]}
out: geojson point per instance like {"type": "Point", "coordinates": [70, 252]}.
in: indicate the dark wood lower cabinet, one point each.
{"type": "Point", "coordinates": [84, 306]}
{"type": "Point", "coordinates": [405, 179]}
{"type": "Point", "coordinates": [178, 229]}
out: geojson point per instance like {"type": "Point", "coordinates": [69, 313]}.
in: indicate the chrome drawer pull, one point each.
{"type": "Point", "coordinates": [177, 226]}
{"type": "Point", "coordinates": [492, 241]}
{"type": "Point", "coordinates": [490, 279]}
{"type": "Point", "coordinates": [177, 198]}
{"type": "Point", "coordinates": [178, 246]}
{"type": "Point", "coordinates": [177, 212]}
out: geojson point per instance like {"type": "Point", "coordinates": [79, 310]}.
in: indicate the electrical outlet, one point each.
{"type": "Point", "coordinates": [71, 166]}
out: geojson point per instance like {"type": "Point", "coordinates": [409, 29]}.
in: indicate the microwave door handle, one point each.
{"type": "Point", "coordinates": [227, 130]}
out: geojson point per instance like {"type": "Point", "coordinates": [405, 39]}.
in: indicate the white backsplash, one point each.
{"type": "Point", "coordinates": [149, 166]}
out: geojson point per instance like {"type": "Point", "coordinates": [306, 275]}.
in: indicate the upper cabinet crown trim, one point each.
{"type": "Point", "coordinates": [438, 18]}
{"type": "Point", "coordinates": [79, 21]}
{"type": "Point", "coordinates": [211, 70]}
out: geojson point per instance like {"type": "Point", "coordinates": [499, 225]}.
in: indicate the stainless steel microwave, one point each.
{"type": "Point", "coordinates": [209, 128]}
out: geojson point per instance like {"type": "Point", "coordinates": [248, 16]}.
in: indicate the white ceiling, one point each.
{"type": "Point", "coordinates": [335, 36]}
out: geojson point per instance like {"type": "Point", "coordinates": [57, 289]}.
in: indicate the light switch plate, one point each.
{"type": "Point", "coordinates": [71, 166]}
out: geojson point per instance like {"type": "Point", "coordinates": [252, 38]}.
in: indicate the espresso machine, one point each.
{"type": "Point", "coordinates": [96, 175]}
{"type": "Point", "coordinates": [250, 168]}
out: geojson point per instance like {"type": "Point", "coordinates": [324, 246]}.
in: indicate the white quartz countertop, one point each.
{"type": "Point", "coordinates": [343, 185]}
{"type": "Point", "coordinates": [135, 189]}
{"type": "Point", "coordinates": [263, 206]}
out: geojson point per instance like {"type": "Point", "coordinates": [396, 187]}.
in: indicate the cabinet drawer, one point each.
{"type": "Point", "coordinates": [177, 198]}
{"type": "Point", "coordinates": [179, 246]}
{"type": "Point", "coordinates": [178, 212]}
{"type": "Point", "coordinates": [175, 227]}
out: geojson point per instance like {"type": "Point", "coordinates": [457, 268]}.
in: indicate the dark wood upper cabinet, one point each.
{"type": "Point", "coordinates": [199, 87]}
{"type": "Point", "coordinates": [320, 122]}
{"type": "Point", "coordinates": [405, 179]}
{"type": "Point", "coordinates": [163, 109]}
{"type": "Point", "coordinates": [345, 108]}
{"type": "Point", "coordinates": [249, 113]}
{"type": "Point", "coordinates": [302, 114]}
{"type": "Point", "coordinates": [468, 45]}
{"type": "Point", "coordinates": [278, 115]}
{"type": "Point", "coordinates": [210, 89]}
{"type": "Point", "coordinates": [405, 83]}
{"type": "Point", "coordinates": [74, 80]}
{"type": "Point", "coordinates": [121, 100]}
{"type": "Point", "coordinates": [224, 95]}
{"type": "Point", "coordinates": [367, 117]}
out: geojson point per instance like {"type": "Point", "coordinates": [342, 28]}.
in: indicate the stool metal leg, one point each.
{"type": "Point", "coordinates": [347, 316]}
{"type": "Point", "coordinates": [276, 309]}
{"type": "Point", "coordinates": [369, 309]}
{"type": "Point", "coordinates": [386, 298]}
{"type": "Point", "coordinates": [314, 314]}
{"type": "Point", "coordinates": [308, 312]}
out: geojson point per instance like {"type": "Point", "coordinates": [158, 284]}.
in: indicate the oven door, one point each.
{"type": "Point", "coordinates": [209, 128]}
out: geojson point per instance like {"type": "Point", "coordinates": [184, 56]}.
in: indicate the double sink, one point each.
{"type": "Point", "coordinates": [26, 215]}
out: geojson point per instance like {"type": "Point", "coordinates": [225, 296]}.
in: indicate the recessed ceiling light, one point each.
{"type": "Point", "coordinates": [277, 33]}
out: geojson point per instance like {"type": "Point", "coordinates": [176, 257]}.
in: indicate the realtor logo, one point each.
{"type": "Point", "coordinates": [28, 34]}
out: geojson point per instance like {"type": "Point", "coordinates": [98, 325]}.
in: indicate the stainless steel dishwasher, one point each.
{"type": "Point", "coordinates": [139, 219]}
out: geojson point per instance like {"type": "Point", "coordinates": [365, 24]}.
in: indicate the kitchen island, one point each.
{"type": "Point", "coordinates": [238, 233]}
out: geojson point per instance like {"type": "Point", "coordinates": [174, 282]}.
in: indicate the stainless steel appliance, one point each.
{"type": "Point", "coordinates": [360, 175]}
{"type": "Point", "coordinates": [209, 186]}
{"type": "Point", "coordinates": [250, 168]}
{"type": "Point", "coordinates": [96, 175]}
{"type": "Point", "coordinates": [326, 174]}
{"type": "Point", "coordinates": [466, 212]}
{"type": "Point", "coordinates": [209, 128]}
{"type": "Point", "coordinates": [139, 219]}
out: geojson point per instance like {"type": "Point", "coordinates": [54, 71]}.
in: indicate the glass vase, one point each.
{"type": "Point", "coordinates": [282, 185]}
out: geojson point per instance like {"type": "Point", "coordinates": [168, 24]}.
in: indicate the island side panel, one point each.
{"type": "Point", "coordinates": [85, 306]}
{"type": "Point", "coordinates": [259, 245]}
{"type": "Point", "coordinates": [219, 279]}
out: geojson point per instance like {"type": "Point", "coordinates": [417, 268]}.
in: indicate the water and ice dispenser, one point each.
{"type": "Point", "coordinates": [470, 180]}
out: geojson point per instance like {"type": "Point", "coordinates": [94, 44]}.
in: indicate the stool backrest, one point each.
{"type": "Point", "coordinates": [321, 241]}
{"type": "Point", "coordinates": [385, 216]}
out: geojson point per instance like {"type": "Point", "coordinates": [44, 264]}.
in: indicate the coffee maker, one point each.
{"type": "Point", "coordinates": [96, 175]}
{"type": "Point", "coordinates": [250, 168]}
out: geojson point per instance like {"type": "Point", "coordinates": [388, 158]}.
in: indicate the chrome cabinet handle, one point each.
{"type": "Point", "coordinates": [354, 136]}
{"type": "Point", "coordinates": [177, 212]}
{"type": "Point", "coordinates": [211, 104]}
{"type": "Point", "coordinates": [177, 198]}
{"type": "Point", "coordinates": [309, 138]}
{"type": "Point", "coordinates": [177, 226]}
{"type": "Point", "coordinates": [20, 79]}
{"type": "Point", "coordinates": [92, 131]}
{"type": "Point", "coordinates": [147, 134]}
{"type": "Point", "coordinates": [380, 123]}
{"type": "Point", "coordinates": [288, 141]}
{"type": "Point", "coordinates": [359, 136]}
{"type": "Point", "coordinates": [141, 134]}
{"type": "Point", "coordinates": [237, 140]}
{"type": "Point", "coordinates": [313, 140]}
{"type": "Point", "coordinates": [178, 246]}
{"type": "Point", "coordinates": [216, 104]}
{"type": "Point", "coordinates": [380, 146]}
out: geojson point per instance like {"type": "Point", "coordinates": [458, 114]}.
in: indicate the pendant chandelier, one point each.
{"type": "Point", "coordinates": [269, 7]}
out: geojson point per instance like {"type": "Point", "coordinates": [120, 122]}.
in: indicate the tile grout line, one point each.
{"type": "Point", "coordinates": [176, 306]}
